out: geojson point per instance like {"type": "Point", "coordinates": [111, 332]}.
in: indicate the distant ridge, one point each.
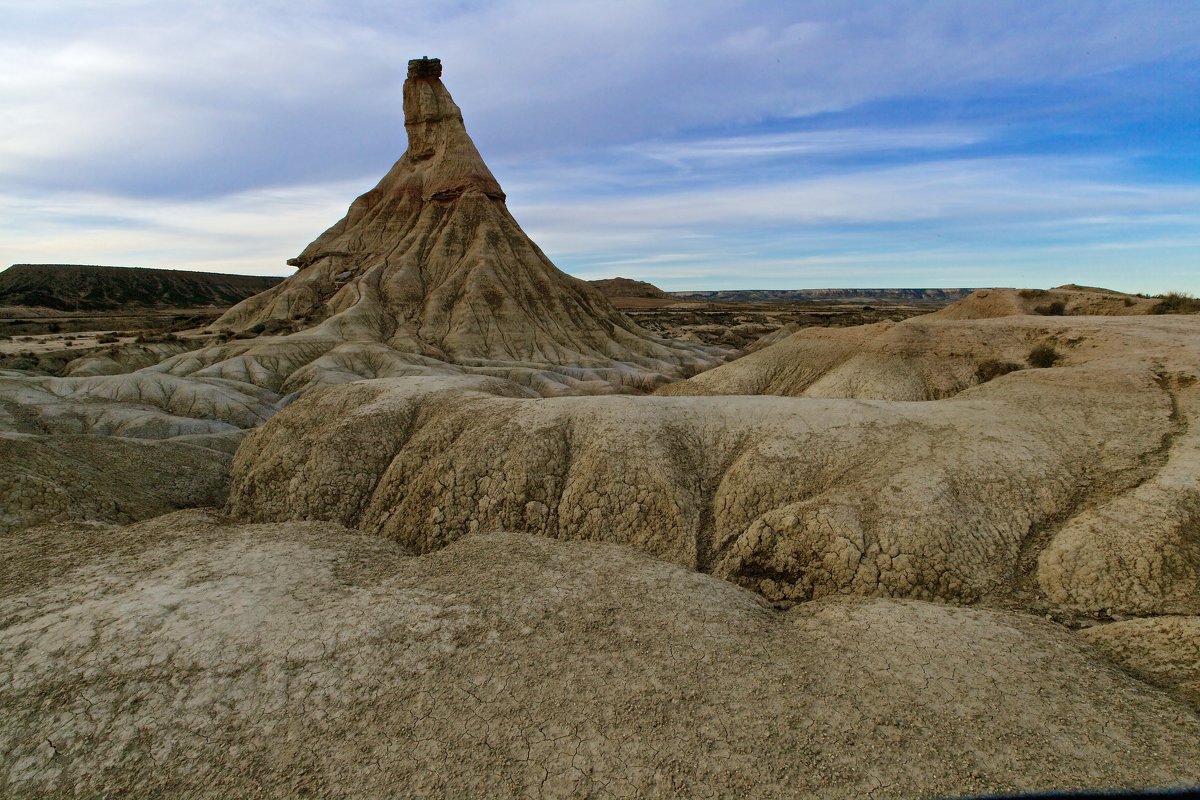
{"type": "Point", "coordinates": [931, 296]}
{"type": "Point", "coordinates": [627, 287]}
{"type": "Point", "coordinates": [85, 287]}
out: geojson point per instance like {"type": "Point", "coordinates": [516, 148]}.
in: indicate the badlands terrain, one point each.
{"type": "Point", "coordinates": [432, 518]}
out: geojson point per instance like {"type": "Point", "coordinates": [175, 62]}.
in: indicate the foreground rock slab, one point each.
{"type": "Point", "coordinates": [189, 654]}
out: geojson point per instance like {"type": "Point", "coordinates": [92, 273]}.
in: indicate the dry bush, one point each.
{"type": "Point", "coordinates": [1042, 356]}
{"type": "Point", "coordinates": [994, 368]}
{"type": "Point", "coordinates": [1032, 294]}
{"type": "Point", "coordinates": [1177, 303]}
{"type": "Point", "coordinates": [1056, 309]}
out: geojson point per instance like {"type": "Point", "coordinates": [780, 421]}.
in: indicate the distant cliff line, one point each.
{"type": "Point", "coordinates": [930, 296]}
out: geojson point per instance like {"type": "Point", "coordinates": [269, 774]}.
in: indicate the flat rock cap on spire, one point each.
{"type": "Point", "coordinates": [425, 67]}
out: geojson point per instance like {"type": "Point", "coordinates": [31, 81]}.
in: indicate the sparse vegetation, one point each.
{"type": "Point", "coordinates": [23, 360]}
{"type": "Point", "coordinates": [156, 338]}
{"type": "Point", "coordinates": [1042, 356]}
{"type": "Point", "coordinates": [994, 368]}
{"type": "Point", "coordinates": [1177, 303]}
{"type": "Point", "coordinates": [1056, 309]}
{"type": "Point", "coordinates": [1032, 294]}
{"type": "Point", "coordinates": [107, 338]}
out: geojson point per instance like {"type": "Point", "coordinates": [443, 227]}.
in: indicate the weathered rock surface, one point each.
{"type": "Point", "coordinates": [1130, 547]}
{"type": "Point", "coordinates": [797, 497]}
{"type": "Point", "coordinates": [430, 264]}
{"type": "Point", "coordinates": [1069, 300]}
{"type": "Point", "coordinates": [191, 656]}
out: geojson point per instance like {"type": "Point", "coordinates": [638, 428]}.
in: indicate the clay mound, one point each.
{"type": "Point", "coordinates": [431, 264]}
{"type": "Point", "coordinates": [795, 498]}
{"type": "Point", "coordinates": [76, 287]}
{"type": "Point", "coordinates": [929, 357]}
{"type": "Point", "coordinates": [511, 666]}
{"type": "Point", "coordinates": [144, 404]}
{"type": "Point", "coordinates": [105, 479]}
{"type": "Point", "coordinates": [1067, 300]}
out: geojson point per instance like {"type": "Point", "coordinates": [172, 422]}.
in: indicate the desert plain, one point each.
{"type": "Point", "coordinates": [432, 518]}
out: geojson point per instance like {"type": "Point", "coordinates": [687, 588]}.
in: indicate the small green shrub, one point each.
{"type": "Point", "coordinates": [994, 368]}
{"type": "Point", "coordinates": [1128, 302]}
{"type": "Point", "coordinates": [1056, 309]}
{"type": "Point", "coordinates": [1177, 303]}
{"type": "Point", "coordinates": [258, 327]}
{"type": "Point", "coordinates": [1042, 356]}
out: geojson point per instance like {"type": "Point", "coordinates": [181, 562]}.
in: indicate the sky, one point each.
{"type": "Point", "coordinates": [696, 145]}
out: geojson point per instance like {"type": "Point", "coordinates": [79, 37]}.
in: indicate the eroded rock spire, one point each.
{"type": "Point", "coordinates": [431, 262]}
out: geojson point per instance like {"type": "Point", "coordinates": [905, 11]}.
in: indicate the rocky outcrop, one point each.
{"type": "Point", "coordinates": [795, 498]}
{"type": "Point", "coordinates": [431, 264]}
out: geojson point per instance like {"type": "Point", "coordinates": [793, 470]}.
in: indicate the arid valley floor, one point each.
{"type": "Point", "coordinates": [431, 518]}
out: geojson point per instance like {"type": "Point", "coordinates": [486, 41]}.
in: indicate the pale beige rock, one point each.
{"type": "Point", "coordinates": [123, 359]}
{"type": "Point", "coordinates": [930, 358]}
{"type": "Point", "coordinates": [145, 404]}
{"type": "Point", "coordinates": [795, 498]}
{"type": "Point", "coordinates": [1076, 300]}
{"type": "Point", "coordinates": [189, 656]}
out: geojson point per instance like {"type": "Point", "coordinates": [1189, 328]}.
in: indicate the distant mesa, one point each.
{"type": "Point", "coordinates": [937, 297]}
{"type": "Point", "coordinates": [82, 287]}
{"type": "Point", "coordinates": [628, 287]}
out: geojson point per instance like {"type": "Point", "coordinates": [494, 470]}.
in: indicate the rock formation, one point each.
{"type": "Point", "coordinates": [429, 268]}
{"type": "Point", "coordinates": [795, 498]}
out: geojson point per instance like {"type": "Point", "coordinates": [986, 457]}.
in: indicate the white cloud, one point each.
{"type": "Point", "coordinates": [250, 233]}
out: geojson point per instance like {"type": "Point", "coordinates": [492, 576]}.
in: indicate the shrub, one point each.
{"type": "Point", "coordinates": [1128, 302]}
{"type": "Point", "coordinates": [54, 327]}
{"type": "Point", "coordinates": [1042, 356]}
{"type": "Point", "coordinates": [1177, 303]}
{"type": "Point", "coordinates": [1055, 309]}
{"type": "Point", "coordinates": [106, 338]}
{"type": "Point", "coordinates": [258, 327]}
{"type": "Point", "coordinates": [994, 368]}
{"type": "Point", "coordinates": [1032, 294]}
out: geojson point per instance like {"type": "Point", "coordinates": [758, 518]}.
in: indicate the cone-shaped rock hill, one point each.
{"type": "Point", "coordinates": [431, 262]}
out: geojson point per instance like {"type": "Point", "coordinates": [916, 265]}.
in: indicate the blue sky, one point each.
{"type": "Point", "coordinates": [698, 145]}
